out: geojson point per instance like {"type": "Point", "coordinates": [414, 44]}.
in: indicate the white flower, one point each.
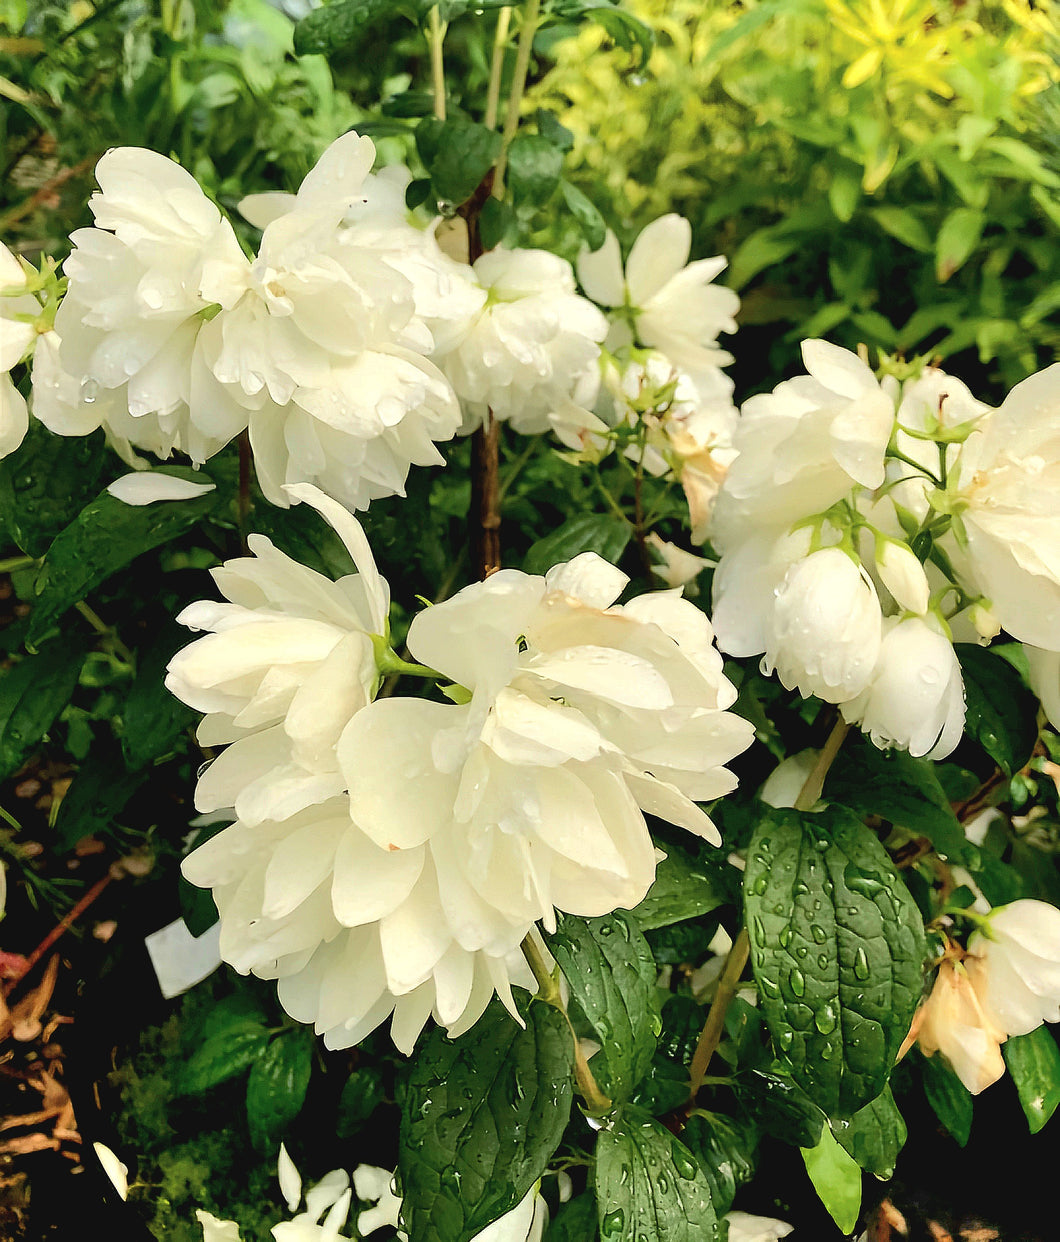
{"type": "Point", "coordinates": [524, 1223]}
{"type": "Point", "coordinates": [672, 303]}
{"type": "Point", "coordinates": [1044, 670]}
{"type": "Point", "coordinates": [532, 347]}
{"type": "Point", "coordinates": [288, 660]}
{"type": "Point", "coordinates": [805, 445]}
{"type": "Point", "coordinates": [1010, 486]}
{"type": "Point", "coordinates": [952, 1021]}
{"type": "Point", "coordinates": [158, 262]}
{"type": "Point", "coordinates": [744, 1227]}
{"type": "Point", "coordinates": [1014, 965]}
{"type": "Point", "coordinates": [915, 700]}
{"type": "Point", "coordinates": [325, 350]}
{"type": "Point", "coordinates": [745, 586]}
{"type": "Point", "coordinates": [823, 635]}
{"type": "Point", "coordinates": [18, 332]}
{"type": "Point", "coordinates": [582, 715]}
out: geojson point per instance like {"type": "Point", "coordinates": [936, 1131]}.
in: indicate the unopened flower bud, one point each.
{"type": "Point", "coordinates": [903, 575]}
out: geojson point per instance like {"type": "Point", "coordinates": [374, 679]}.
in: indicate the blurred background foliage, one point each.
{"type": "Point", "coordinates": [877, 171]}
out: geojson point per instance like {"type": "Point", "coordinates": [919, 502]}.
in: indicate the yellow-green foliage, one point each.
{"type": "Point", "coordinates": [877, 170]}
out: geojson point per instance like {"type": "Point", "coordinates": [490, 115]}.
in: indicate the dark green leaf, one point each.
{"type": "Point", "coordinates": [584, 210]}
{"type": "Point", "coordinates": [197, 907]}
{"type": "Point", "coordinates": [340, 25]}
{"type": "Point", "coordinates": [725, 1149]}
{"type": "Point", "coordinates": [416, 194]}
{"type": "Point", "coordinates": [361, 1096]}
{"type": "Point", "coordinates": [780, 1108]}
{"type": "Point", "coordinates": [481, 1118]}
{"type": "Point", "coordinates": [105, 536]}
{"type": "Point", "coordinates": [457, 153]}
{"type": "Point", "coordinates": [1034, 1062]}
{"type": "Point", "coordinates": [649, 1185]}
{"type": "Point", "coordinates": [97, 795]}
{"type": "Point", "coordinates": [549, 127]}
{"type": "Point", "coordinates": [837, 947]}
{"type": "Point", "coordinates": [534, 169]}
{"type": "Point", "coordinates": [153, 718]}
{"type": "Point", "coordinates": [948, 1096]}
{"type": "Point", "coordinates": [32, 693]}
{"type": "Point", "coordinates": [662, 1089]}
{"type": "Point", "coordinates": [409, 103]}
{"type": "Point", "coordinates": [1001, 714]}
{"type": "Point", "coordinates": [906, 791]}
{"type": "Point", "coordinates": [276, 1088]}
{"type": "Point", "coordinates": [626, 30]}
{"type": "Point", "coordinates": [46, 482]}
{"type": "Point", "coordinates": [603, 533]}
{"type": "Point", "coordinates": [611, 974]}
{"type": "Point", "coordinates": [874, 1135]}
{"type": "Point", "coordinates": [497, 223]}
{"type": "Point", "coordinates": [575, 1221]}
{"type": "Point", "coordinates": [684, 888]}
{"type": "Point", "coordinates": [224, 1053]}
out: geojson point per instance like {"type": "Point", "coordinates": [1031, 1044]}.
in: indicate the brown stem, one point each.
{"type": "Point", "coordinates": [485, 498]}
{"type": "Point", "coordinates": [45, 191]}
{"type": "Point", "coordinates": [63, 926]}
{"type": "Point", "coordinates": [638, 520]}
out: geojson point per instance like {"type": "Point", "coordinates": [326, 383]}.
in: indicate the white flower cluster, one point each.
{"type": "Point", "coordinates": [865, 524]}
{"type": "Point", "coordinates": [1007, 984]}
{"type": "Point", "coordinates": [390, 855]}
{"type": "Point", "coordinates": [664, 399]}
{"type": "Point", "coordinates": [348, 346]}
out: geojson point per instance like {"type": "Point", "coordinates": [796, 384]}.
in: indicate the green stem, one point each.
{"type": "Point", "coordinates": [919, 467]}
{"type": "Point", "coordinates": [435, 39]}
{"type": "Point", "coordinates": [106, 631]}
{"type": "Point", "coordinates": [515, 98]}
{"type": "Point", "coordinates": [493, 92]}
{"type": "Point", "coordinates": [811, 789]}
{"type": "Point", "coordinates": [549, 991]}
{"type": "Point", "coordinates": [388, 662]}
{"type": "Point", "coordinates": [16, 562]}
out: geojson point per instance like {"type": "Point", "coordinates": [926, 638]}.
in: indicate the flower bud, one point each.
{"type": "Point", "coordinates": [903, 575]}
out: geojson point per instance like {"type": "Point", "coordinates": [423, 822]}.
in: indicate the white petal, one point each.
{"type": "Point", "coordinates": [144, 487]}
{"type": "Point", "coordinates": [658, 254]}
{"type": "Point", "coordinates": [600, 272]}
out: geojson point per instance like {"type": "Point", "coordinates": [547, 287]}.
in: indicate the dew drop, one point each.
{"type": "Point", "coordinates": [770, 987]}
{"type": "Point", "coordinates": [797, 981]}
{"type": "Point", "coordinates": [825, 1019]}
{"type": "Point", "coordinates": [818, 933]}
{"type": "Point", "coordinates": [89, 390]}
{"type": "Point", "coordinates": [861, 964]}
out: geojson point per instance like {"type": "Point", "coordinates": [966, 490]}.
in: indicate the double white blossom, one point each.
{"type": "Point", "coordinates": [531, 347]}
{"type": "Point", "coordinates": [288, 660]}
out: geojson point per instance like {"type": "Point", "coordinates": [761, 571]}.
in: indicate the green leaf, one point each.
{"type": "Point", "coordinates": [725, 1149]}
{"type": "Point", "coordinates": [548, 126]}
{"type": "Point", "coordinates": [762, 249]}
{"type": "Point", "coordinates": [903, 225]}
{"type": "Point", "coordinates": [780, 1108]}
{"type": "Point", "coordinates": [625, 29]}
{"type": "Point", "coordinates": [603, 533]}
{"type": "Point", "coordinates": [575, 1221]}
{"type": "Point", "coordinates": [1034, 1062]}
{"type": "Point", "coordinates": [874, 1135]}
{"type": "Point", "coordinates": [32, 693]}
{"type": "Point", "coordinates": [837, 947]}
{"type": "Point", "coordinates": [1001, 713]}
{"type": "Point", "coordinates": [225, 1052]}
{"type": "Point", "coordinates": [276, 1088]}
{"type": "Point", "coordinates": [837, 1180]}
{"type": "Point", "coordinates": [340, 25]}
{"type": "Point", "coordinates": [481, 1118]}
{"type": "Point", "coordinates": [649, 1185]}
{"type": "Point", "coordinates": [684, 887]}
{"type": "Point", "coordinates": [457, 153]}
{"type": "Point", "coordinates": [46, 482]}
{"type": "Point", "coordinates": [897, 787]}
{"type": "Point", "coordinates": [534, 169]}
{"type": "Point", "coordinates": [948, 1096]}
{"type": "Point", "coordinates": [957, 239]}
{"type": "Point", "coordinates": [97, 796]}
{"type": "Point", "coordinates": [611, 974]}
{"type": "Point", "coordinates": [585, 212]}
{"type": "Point", "coordinates": [104, 537]}
{"type": "Point", "coordinates": [152, 718]}
{"type": "Point", "coordinates": [361, 1096]}
{"type": "Point", "coordinates": [497, 223]}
